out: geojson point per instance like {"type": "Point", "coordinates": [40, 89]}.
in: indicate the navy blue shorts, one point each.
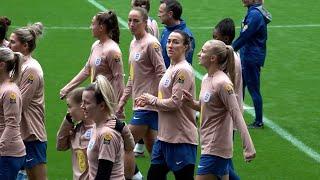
{"type": "Point", "coordinates": [36, 153]}
{"type": "Point", "coordinates": [174, 155]}
{"type": "Point", "coordinates": [145, 117]}
{"type": "Point", "coordinates": [10, 166]}
{"type": "Point", "coordinates": [210, 164]}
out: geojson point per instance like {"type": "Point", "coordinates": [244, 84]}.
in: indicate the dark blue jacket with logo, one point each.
{"type": "Point", "coordinates": [253, 35]}
{"type": "Point", "coordinates": [164, 38]}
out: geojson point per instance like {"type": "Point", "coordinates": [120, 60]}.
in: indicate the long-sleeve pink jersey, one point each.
{"type": "Point", "coordinates": [146, 69]}
{"type": "Point", "coordinates": [11, 143]}
{"type": "Point", "coordinates": [32, 90]}
{"type": "Point", "coordinates": [106, 144]}
{"type": "Point", "coordinates": [76, 139]}
{"type": "Point", "coordinates": [105, 59]}
{"type": "Point", "coordinates": [177, 122]}
{"type": "Point", "coordinates": [219, 111]}
{"type": "Point", "coordinates": [238, 85]}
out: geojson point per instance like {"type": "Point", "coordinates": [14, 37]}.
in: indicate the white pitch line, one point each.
{"type": "Point", "coordinates": [287, 136]}
{"type": "Point", "coordinates": [282, 132]}
{"type": "Point", "coordinates": [276, 128]}
{"type": "Point", "coordinates": [192, 28]}
{"type": "Point", "coordinates": [99, 6]}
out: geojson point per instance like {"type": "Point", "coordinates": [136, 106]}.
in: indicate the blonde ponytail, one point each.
{"type": "Point", "coordinates": [104, 86]}
{"type": "Point", "coordinates": [12, 61]}
{"type": "Point", "coordinates": [230, 66]}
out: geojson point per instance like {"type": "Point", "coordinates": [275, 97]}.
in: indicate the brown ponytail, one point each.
{"type": "Point", "coordinates": [225, 57]}
{"type": "Point", "coordinates": [16, 69]}
{"type": "Point", "coordinates": [110, 21]}
{"type": "Point", "coordinates": [230, 66]}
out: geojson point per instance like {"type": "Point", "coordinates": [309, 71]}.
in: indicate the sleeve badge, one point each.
{"type": "Point", "coordinates": [107, 138]}
{"type": "Point", "coordinates": [229, 89]}
{"type": "Point", "coordinates": [30, 78]}
{"type": "Point", "coordinates": [117, 57]}
{"type": "Point", "coordinates": [156, 46]}
{"type": "Point", "coordinates": [181, 78]}
{"type": "Point", "coordinates": [12, 98]}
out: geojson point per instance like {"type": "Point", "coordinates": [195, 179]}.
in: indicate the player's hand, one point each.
{"type": "Point", "coordinates": [139, 101]}
{"type": "Point", "coordinates": [186, 98]}
{"type": "Point", "coordinates": [62, 94]}
{"type": "Point", "coordinates": [249, 156]}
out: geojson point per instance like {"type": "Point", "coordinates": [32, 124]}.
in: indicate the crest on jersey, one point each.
{"type": "Point", "coordinates": [88, 134]}
{"type": "Point", "coordinates": [136, 56]}
{"type": "Point", "coordinates": [166, 82]}
{"type": "Point", "coordinates": [206, 97]}
{"type": "Point", "coordinates": [97, 62]}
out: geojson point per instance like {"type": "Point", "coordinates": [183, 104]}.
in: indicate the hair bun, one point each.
{"type": "Point", "coordinates": [36, 28]}
{"type": "Point", "coordinates": [5, 21]}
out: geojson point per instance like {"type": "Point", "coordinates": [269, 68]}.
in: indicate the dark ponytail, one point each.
{"type": "Point", "coordinates": [110, 21]}
{"type": "Point", "coordinates": [4, 25]}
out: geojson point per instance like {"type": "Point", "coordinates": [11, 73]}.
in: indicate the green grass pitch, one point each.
{"type": "Point", "coordinates": [290, 78]}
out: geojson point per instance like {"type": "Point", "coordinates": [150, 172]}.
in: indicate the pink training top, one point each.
{"type": "Point", "coordinates": [106, 144]}
{"type": "Point", "coordinates": [105, 59]}
{"type": "Point", "coordinates": [238, 85]}
{"type": "Point", "coordinates": [177, 122]}
{"type": "Point", "coordinates": [219, 110]}
{"type": "Point", "coordinates": [152, 26]}
{"type": "Point", "coordinates": [11, 143]}
{"type": "Point", "coordinates": [32, 90]}
{"type": "Point", "coordinates": [146, 69]}
{"type": "Point", "coordinates": [76, 139]}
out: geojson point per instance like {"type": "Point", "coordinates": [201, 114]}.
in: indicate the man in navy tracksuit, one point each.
{"type": "Point", "coordinates": [252, 45]}
{"type": "Point", "coordinates": [170, 15]}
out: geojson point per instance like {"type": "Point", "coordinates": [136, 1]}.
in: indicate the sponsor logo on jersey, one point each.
{"type": "Point", "coordinates": [229, 88]}
{"type": "Point", "coordinates": [117, 57]}
{"type": "Point", "coordinates": [181, 78]}
{"type": "Point", "coordinates": [13, 98]}
{"type": "Point", "coordinates": [107, 138]}
{"type": "Point", "coordinates": [156, 46]}
{"type": "Point", "coordinates": [30, 78]}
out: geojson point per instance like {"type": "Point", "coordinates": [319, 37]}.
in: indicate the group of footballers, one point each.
{"type": "Point", "coordinates": [23, 138]}
{"type": "Point", "coordinates": [164, 103]}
